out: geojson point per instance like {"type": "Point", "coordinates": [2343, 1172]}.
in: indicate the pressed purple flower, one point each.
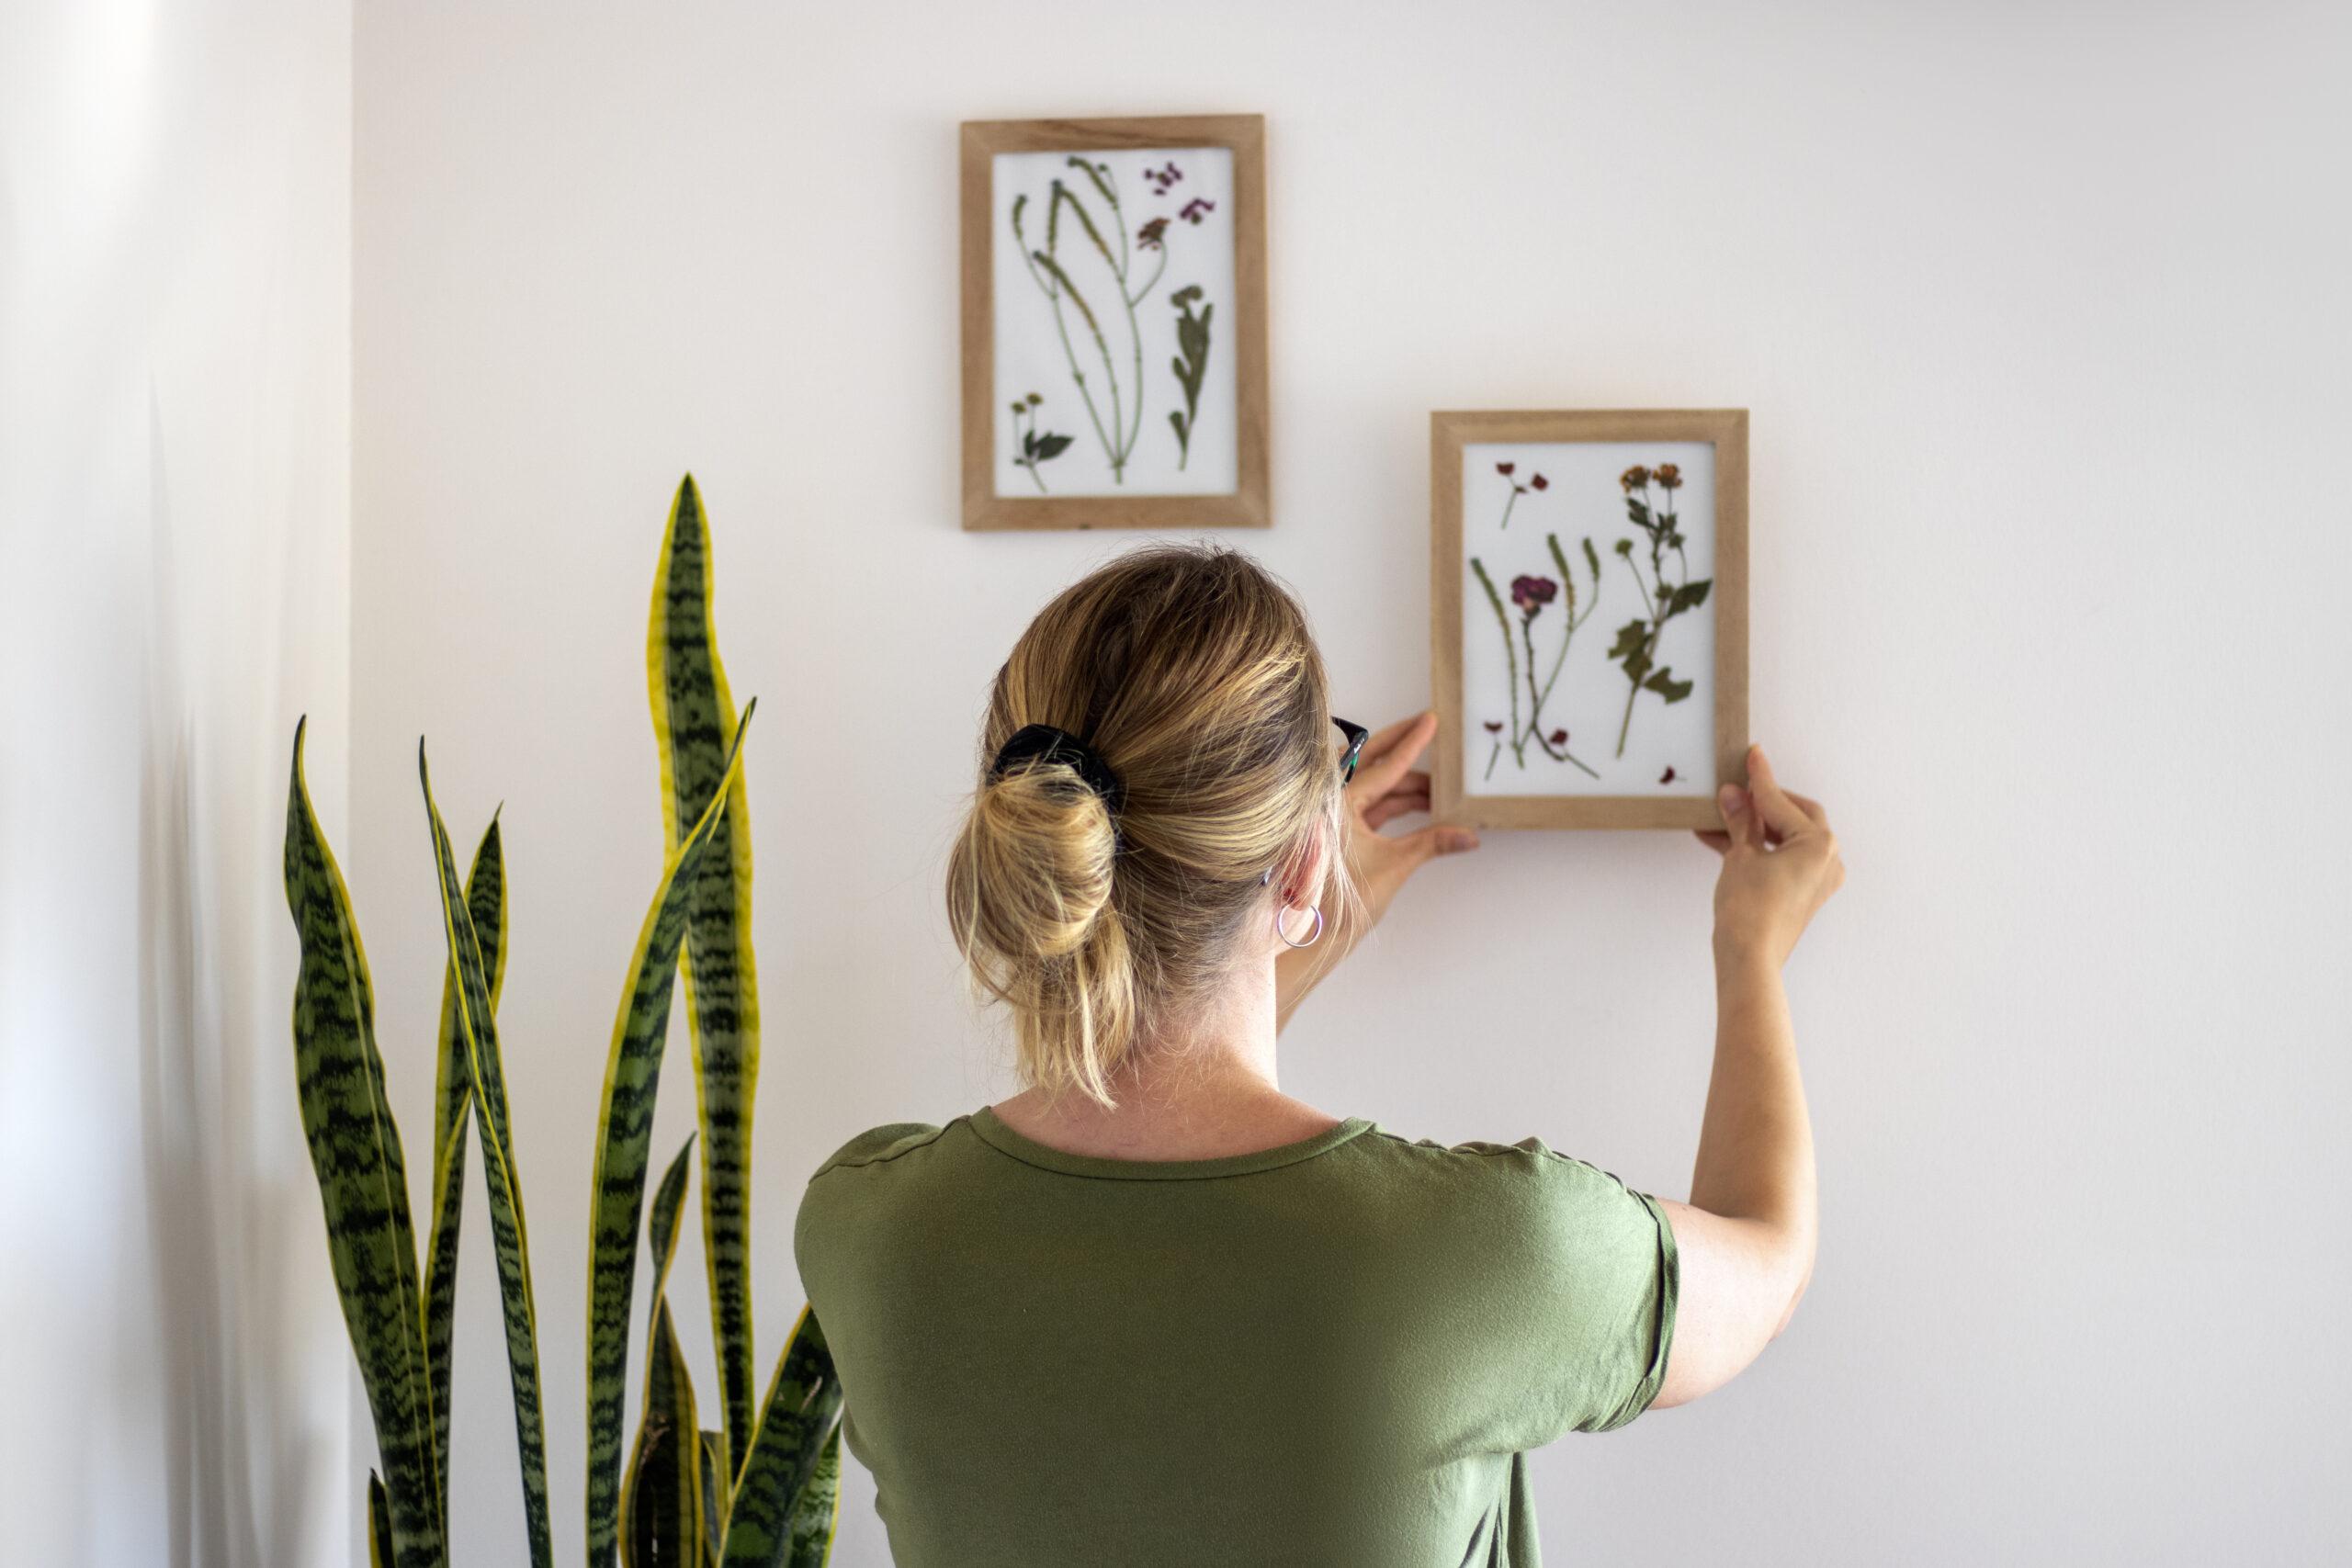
{"type": "Point", "coordinates": [1197, 209]}
{"type": "Point", "coordinates": [1531, 593]}
{"type": "Point", "coordinates": [1540, 483]}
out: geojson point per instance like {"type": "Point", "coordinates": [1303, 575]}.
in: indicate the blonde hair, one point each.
{"type": "Point", "coordinates": [1191, 672]}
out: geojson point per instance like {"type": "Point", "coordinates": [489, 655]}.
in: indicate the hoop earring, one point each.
{"type": "Point", "coordinates": [1312, 937]}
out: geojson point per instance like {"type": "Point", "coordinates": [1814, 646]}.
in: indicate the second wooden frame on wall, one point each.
{"type": "Point", "coordinates": [1541, 521]}
{"type": "Point", "coordinates": [1115, 323]}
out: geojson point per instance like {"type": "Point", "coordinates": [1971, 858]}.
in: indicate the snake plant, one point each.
{"type": "Point", "coordinates": [760, 1486]}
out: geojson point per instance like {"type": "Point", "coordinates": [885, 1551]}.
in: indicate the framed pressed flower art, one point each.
{"type": "Point", "coordinates": [1589, 602]}
{"type": "Point", "coordinates": [1115, 323]}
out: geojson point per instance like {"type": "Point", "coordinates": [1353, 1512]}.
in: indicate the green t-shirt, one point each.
{"type": "Point", "coordinates": [1337, 1351]}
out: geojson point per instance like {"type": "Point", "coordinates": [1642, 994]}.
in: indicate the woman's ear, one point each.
{"type": "Point", "coordinates": [1307, 871]}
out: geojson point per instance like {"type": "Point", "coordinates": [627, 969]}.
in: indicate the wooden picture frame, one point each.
{"type": "Point", "coordinates": [1139, 441]}
{"type": "Point", "coordinates": [1568, 537]}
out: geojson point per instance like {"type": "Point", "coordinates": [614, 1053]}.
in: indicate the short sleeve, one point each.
{"type": "Point", "coordinates": [1579, 1295]}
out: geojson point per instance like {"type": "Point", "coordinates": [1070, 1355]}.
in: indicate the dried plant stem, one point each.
{"type": "Point", "coordinates": [1510, 653]}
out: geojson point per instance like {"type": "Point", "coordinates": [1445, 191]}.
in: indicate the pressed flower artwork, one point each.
{"type": "Point", "coordinates": [1121, 356]}
{"type": "Point", "coordinates": [1550, 715]}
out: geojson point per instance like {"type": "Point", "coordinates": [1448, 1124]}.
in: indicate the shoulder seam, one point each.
{"type": "Point", "coordinates": [1435, 1147]}
{"type": "Point", "coordinates": [842, 1164]}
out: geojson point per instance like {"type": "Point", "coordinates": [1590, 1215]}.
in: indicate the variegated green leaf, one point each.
{"type": "Point", "coordinates": [363, 1180]}
{"type": "Point", "coordinates": [477, 1022]}
{"type": "Point", "coordinates": [379, 1524]}
{"type": "Point", "coordinates": [714, 1493]}
{"type": "Point", "coordinates": [803, 1407]}
{"type": "Point", "coordinates": [694, 716]}
{"type": "Point", "coordinates": [662, 1489]}
{"type": "Point", "coordinates": [452, 1104]}
{"type": "Point", "coordinates": [662, 1523]}
{"type": "Point", "coordinates": [632, 1080]}
{"type": "Point", "coordinates": [817, 1512]}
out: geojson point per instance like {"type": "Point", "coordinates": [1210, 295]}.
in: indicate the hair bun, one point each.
{"type": "Point", "coordinates": [1042, 846]}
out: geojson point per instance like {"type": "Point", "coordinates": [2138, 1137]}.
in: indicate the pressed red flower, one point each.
{"type": "Point", "coordinates": [1667, 777]}
{"type": "Point", "coordinates": [1531, 593]}
{"type": "Point", "coordinates": [1559, 738]}
{"type": "Point", "coordinates": [1634, 478]}
{"type": "Point", "coordinates": [1540, 483]}
{"type": "Point", "coordinates": [1494, 727]}
{"type": "Point", "coordinates": [1669, 476]}
{"type": "Point", "coordinates": [1504, 468]}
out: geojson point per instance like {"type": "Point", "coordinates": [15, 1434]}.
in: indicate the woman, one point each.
{"type": "Point", "coordinates": [1151, 1310]}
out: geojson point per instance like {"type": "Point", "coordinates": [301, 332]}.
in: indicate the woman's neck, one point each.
{"type": "Point", "coordinates": [1202, 1091]}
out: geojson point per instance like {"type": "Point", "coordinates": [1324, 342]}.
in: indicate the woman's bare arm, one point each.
{"type": "Point", "coordinates": [1747, 1237]}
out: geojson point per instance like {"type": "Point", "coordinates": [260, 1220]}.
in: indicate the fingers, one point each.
{"type": "Point", "coordinates": [1741, 828]}
{"type": "Point", "coordinates": [1390, 753]}
{"type": "Point", "coordinates": [1779, 813]}
{"type": "Point", "coordinates": [1718, 841]}
{"type": "Point", "coordinates": [1411, 794]}
{"type": "Point", "coordinates": [1426, 844]}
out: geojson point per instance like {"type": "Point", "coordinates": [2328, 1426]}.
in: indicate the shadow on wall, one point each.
{"type": "Point", "coordinates": [195, 1174]}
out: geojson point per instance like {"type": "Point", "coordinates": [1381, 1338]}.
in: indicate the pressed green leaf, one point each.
{"type": "Point", "coordinates": [817, 1512]}
{"type": "Point", "coordinates": [379, 1524]}
{"type": "Point", "coordinates": [1667, 686]}
{"type": "Point", "coordinates": [1063, 193]}
{"type": "Point", "coordinates": [694, 714]}
{"type": "Point", "coordinates": [663, 1524]}
{"type": "Point", "coordinates": [1691, 595]}
{"type": "Point", "coordinates": [804, 1403]}
{"type": "Point", "coordinates": [509, 1238]}
{"type": "Point", "coordinates": [1630, 638]}
{"type": "Point", "coordinates": [1051, 446]}
{"type": "Point", "coordinates": [632, 1082]}
{"type": "Point", "coordinates": [363, 1180]}
{"type": "Point", "coordinates": [452, 1104]}
{"type": "Point", "coordinates": [1567, 578]}
{"type": "Point", "coordinates": [1085, 310]}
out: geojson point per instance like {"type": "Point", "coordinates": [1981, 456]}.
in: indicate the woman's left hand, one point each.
{"type": "Point", "coordinates": [1388, 786]}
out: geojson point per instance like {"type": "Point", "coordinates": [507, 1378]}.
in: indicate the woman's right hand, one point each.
{"type": "Point", "coordinates": [1781, 866]}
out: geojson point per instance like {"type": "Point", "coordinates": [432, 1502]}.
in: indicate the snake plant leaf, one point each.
{"type": "Point", "coordinates": [510, 1241]}
{"type": "Point", "coordinates": [663, 1480]}
{"type": "Point", "coordinates": [379, 1524]}
{"type": "Point", "coordinates": [363, 1180]}
{"type": "Point", "coordinates": [714, 1493]}
{"type": "Point", "coordinates": [663, 1519]}
{"type": "Point", "coordinates": [632, 1079]}
{"type": "Point", "coordinates": [452, 1105]}
{"type": "Point", "coordinates": [803, 1407]}
{"type": "Point", "coordinates": [817, 1512]}
{"type": "Point", "coordinates": [693, 715]}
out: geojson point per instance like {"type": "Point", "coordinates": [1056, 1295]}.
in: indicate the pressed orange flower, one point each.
{"type": "Point", "coordinates": [1634, 478]}
{"type": "Point", "coordinates": [1669, 476]}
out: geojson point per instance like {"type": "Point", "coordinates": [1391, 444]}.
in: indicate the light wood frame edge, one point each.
{"type": "Point", "coordinates": [1252, 504]}
{"type": "Point", "coordinates": [1450, 433]}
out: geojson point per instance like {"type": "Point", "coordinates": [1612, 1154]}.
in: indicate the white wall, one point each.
{"type": "Point", "coordinates": [2042, 317]}
{"type": "Point", "coordinates": [174, 514]}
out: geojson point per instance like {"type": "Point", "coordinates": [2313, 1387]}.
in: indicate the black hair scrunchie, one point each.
{"type": "Point", "coordinates": [1044, 744]}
